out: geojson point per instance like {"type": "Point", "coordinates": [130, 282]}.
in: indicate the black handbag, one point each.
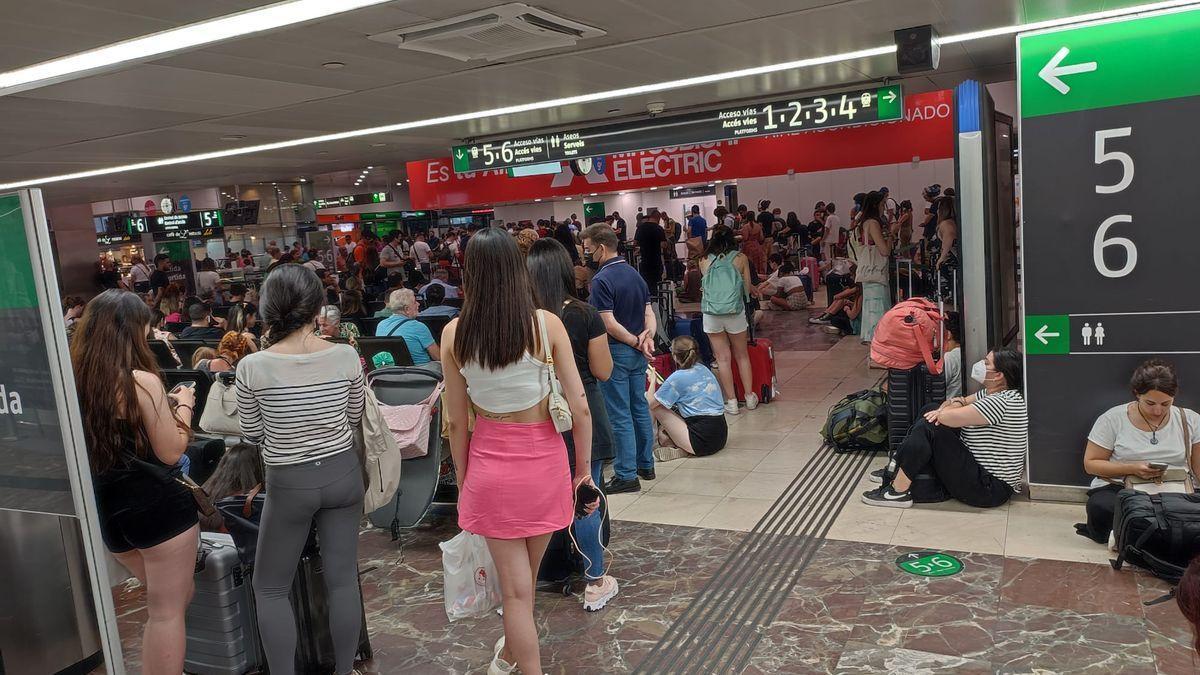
{"type": "Point", "coordinates": [1159, 532]}
{"type": "Point", "coordinates": [243, 515]}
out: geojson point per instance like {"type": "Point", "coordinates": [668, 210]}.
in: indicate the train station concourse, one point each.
{"type": "Point", "coordinates": [839, 321]}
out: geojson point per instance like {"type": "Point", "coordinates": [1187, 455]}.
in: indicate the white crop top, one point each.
{"type": "Point", "coordinates": [515, 387]}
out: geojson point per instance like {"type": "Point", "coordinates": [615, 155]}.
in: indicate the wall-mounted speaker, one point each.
{"type": "Point", "coordinates": [917, 50]}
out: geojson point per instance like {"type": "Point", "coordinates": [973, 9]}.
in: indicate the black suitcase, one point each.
{"type": "Point", "coordinates": [908, 392]}
{"type": "Point", "coordinates": [204, 453]}
{"type": "Point", "coordinates": [222, 629]}
{"type": "Point", "coordinates": [314, 644]}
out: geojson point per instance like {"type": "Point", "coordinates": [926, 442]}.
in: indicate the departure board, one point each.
{"type": "Point", "coordinates": [864, 106]}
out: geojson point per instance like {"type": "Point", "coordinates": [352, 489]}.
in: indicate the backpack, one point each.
{"type": "Point", "coordinates": [858, 422]}
{"type": "Point", "coordinates": [1159, 533]}
{"type": "Point", "coordinates": [724, 290]}
{"type": "Point", "coordinates": [905, 334]}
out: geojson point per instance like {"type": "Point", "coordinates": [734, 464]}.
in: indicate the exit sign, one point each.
{"type": "Point", "coordinates": [352, 200]}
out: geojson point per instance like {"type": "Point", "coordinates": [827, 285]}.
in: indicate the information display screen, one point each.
{"type": "Point", "coordinates": [352, 200]}
{"type": "Point", "coordinates": [182, 225]}
{"type": "Point", "coordinates": [1108, 125]}
{"type": "Point", "coordinates": [863, 106]}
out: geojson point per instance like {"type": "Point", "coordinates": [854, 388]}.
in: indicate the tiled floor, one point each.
{"type": "Point", "coordinates": [1033, 596]}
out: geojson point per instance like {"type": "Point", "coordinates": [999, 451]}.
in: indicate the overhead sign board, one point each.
{"type": "Point", "coordinates": [180, 225]}
{"type": "Point", "coordinates": [694, 191]}
{"type": "Point", "coordinates": [1108, 132]}
{"type": "Point", "coordinates": [863, 106]}
{"type": "Point", "coordinates": [352, 200]}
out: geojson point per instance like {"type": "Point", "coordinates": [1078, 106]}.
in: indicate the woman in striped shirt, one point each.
{"type": "Point", "coordinates": [977, 445]}
{"type": "Point", "coordinates": [301, 400]}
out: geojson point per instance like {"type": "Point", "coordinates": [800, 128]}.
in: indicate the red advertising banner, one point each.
{"type": "Point", "coordinates": [927, 131]}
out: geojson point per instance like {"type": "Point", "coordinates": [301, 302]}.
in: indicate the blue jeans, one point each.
{"type": "Point", "coordinates": [587, 530]}
{"type": "Point", "coordinates": [628, 412]}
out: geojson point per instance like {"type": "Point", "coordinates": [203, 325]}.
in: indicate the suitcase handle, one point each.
{"type": "Point", "coordinates": [248, 505]}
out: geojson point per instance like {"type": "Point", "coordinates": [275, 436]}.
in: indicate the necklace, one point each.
{"type": "Point", "coordinates": [1153, 429]}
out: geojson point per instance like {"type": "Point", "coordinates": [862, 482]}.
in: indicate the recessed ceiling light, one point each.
{"type": "Point", "coordinates": [570, 198]}
{"type": "Point", "coordinates": [400, 183]}
{"type": "Point", "coordinates": [333, 65]}
{"type": "Point", "coordinates": [654, 188]}
{"type": "Point", "coordinates": [538, 199]}
{"type": "Point", "coordinates": [621, 192]}
{"type": "Point", "coordinates": [370, 167]}
{"type": "Point", "coordinates": [233, 137]}
{"type": "Point", "coordinates": [379, 145]}
{"type": "Point", "coordinates": [718, 181]}
{"type": "Point", "coordinates": [191, 36]}
{"type": "Point", "coordinates": [303, 180]}
{"type": "Point", "coordinates": [322, 152]}
{"type": "Point", "coordinates": [678, 187]}
{"type": "Point", "coordinates": [592, 195]}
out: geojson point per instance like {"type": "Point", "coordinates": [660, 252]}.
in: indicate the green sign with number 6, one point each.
{"type": "Point", "coordinates": [929, 564]}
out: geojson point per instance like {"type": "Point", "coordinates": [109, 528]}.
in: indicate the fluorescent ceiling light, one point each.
{"type": "Point", "coordinates": [193, 35]}
{"type": "Point", "coordinates": [580, 99]}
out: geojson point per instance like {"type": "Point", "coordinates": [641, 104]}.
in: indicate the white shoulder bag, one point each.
{"type": "Point", "coordinates": [560, 412]}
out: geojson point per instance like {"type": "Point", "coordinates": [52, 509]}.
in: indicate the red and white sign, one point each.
{"type": "Point", "coordinates": [927, 131]}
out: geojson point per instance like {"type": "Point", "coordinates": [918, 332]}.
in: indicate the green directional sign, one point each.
{"type": "Point", "coordinates": [1048, 334]}
{"type": "Point", "coordinates": [929, 564]}
{"type": "Point", "coordinates": [1132, 61]}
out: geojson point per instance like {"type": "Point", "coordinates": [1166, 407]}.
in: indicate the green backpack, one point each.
{"type": "Point", "coordinates": [724, 291]}
{"type": "Point", "coordinates": [858, 422]}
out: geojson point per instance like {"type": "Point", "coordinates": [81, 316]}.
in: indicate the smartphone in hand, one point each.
{"type": "Point", "coordinates": [179, 387]}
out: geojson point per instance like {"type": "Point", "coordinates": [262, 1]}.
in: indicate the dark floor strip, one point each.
{"type": "Point", "coordinates": [718, 631]}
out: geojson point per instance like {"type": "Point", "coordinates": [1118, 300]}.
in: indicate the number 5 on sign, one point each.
{"type": "Point", "coordinates": [1114, 156]}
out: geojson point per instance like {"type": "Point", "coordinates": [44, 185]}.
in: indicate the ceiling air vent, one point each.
{"type": "Point", "coordinates": [495, 33]}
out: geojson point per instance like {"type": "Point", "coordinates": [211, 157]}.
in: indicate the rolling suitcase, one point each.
{"type": "Point", "coordinates": [908, 392]}
{"type": "Point", "coordinates": [693, 324]}
{"type": "Point", "coordinates": [762, 371]}
{"type": "Point", "coordinates": [562, 561]}
{"type": "Point", "coordinates": [222, 629]}
{"type": "Point", "coordinates": [314, 644]}
{"type": "Point", "coordinates": [663, 364]}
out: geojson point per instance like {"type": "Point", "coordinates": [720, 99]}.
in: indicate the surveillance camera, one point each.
{"type": "Point", "coordinates": [656, 107]}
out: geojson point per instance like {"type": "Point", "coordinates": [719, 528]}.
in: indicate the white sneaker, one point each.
{"type": "Point", "coordinates": [751, 400]}
{"type": "Point", "coordinates": [499, 666]}
{"type": "Point", "coordinates": [596, 596]}
{"type": "Point", "coordinates": [667, 453]}
{"type": "Point", "coordinates": [731, 407]}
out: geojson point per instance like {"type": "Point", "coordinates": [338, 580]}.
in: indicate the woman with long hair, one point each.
{"type": "Point", "coordinates": [136, 434]}
{"type": "Point", "coordinates": [241, 319]}
{"type": "Point", "coordinates": [553, 290]}
{"type": "Point", "coordinates": [726, 286]}
{"type": "Point", "coordinates": [876, 298]}
{"type": "Point", "coordinates": [754, 236]}
{"type": "Point", "coordinates": [301, 400]}
{"type": "Point", "coordinates": [497, 360]}
{"type": "Point", "coordinates": [230, 351]}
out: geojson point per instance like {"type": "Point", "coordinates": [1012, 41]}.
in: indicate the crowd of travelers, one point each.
{"type": "Point", "coordinates": [530, 324]}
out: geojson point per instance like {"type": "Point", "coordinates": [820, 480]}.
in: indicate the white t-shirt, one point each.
{"type": "Point", "coordinates": [421, 250]}
{"type": "Point", "coordinates": [1113, 431]}
{"type": "Point", "coordinates": [139, 274]}
{"type": "Point", "coordinates": [833, 229]}
{"type": "Point", "coordinates": [952, 368]}
{"type": "Point", "coordinates": [788, 283]}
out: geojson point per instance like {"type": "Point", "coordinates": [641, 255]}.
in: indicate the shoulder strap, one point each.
{"type": "Point", "coordinates": [403, 320]}
{"type": "Point", "coordinates": [248, 505]}
{"type": "Point", "coordinates": [1187, 443]}
{"type": "Point", "coordinates": [555, 386]}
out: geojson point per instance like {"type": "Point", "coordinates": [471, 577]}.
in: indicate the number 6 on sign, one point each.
{"type": "Point", "coordinates": [1100, 243]}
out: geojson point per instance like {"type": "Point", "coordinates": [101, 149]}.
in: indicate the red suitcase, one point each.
{"type": "Point", "coordinates": [663, 364]}
{"type": "Point", "coordinates": [762, 371]}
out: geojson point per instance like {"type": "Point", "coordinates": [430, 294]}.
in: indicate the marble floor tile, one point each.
{"type": "Point", "coordinates": [802, 639]}
{"type": "Point", "coordinates": [943, 624]}
{"type": "Point", "coordinates": [736, 459]}
{"type": "Point", "coordinates": [1170, 634]}
{"type": "Point", "coordinates": [942, 528]}
{"type": "Point", "coordinates": [1028, 638]}
{"type": "Point", "coordinates": [1063, 585]}
{"type": "Point", "coordinates": [736, 513]}
{"type": "Point", "coordinates": [708, 482]}
{"type": "Point", "coordinates": [860, 657]}
{"type": "Point", "coordinates": [1046, 530]}
{"type": "Point", "coordinates": [761, 485]}
{"type": "Point", "coordinates": [669, 508]}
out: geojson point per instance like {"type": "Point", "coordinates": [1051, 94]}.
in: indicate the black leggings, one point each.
{"type": "Point", "coordinates": [939, 446]}
{"type": "Point", "coordinates": [1101, 508]}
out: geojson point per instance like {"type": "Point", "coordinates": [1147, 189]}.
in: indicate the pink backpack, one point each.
{"type": "Point", "coordinates": [905, 335]}
{"type": "Point", "coordinates": [409, 424]}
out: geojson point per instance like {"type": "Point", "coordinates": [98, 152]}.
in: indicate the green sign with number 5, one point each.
{"type": "Point", "coordinates": [929, 564]}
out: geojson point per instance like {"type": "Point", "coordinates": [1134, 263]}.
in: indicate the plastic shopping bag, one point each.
{"type": "Point", "coordinates": [472, 585]}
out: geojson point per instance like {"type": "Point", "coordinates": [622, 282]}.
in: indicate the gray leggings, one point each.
{"type": "Point", "coordinates": [329, 491]}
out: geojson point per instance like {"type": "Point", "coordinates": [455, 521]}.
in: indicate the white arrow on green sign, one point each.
{"type": "Point", "coordinates": [1053, 71]}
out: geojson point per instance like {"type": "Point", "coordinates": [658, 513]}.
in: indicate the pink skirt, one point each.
{"type": "Point", "coordinates": [518, 481]}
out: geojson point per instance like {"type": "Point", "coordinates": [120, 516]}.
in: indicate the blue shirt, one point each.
{"type": "Point", "coordinates": [416, 336]}
{"type": "Point", "coordinates": [694, 391]}
{"type": "Point", "coordinates": [698, 227]}
{"type": "Point", "coordinates": [618, 288]}
{"type": "Point", "coordinates": [439, 310]}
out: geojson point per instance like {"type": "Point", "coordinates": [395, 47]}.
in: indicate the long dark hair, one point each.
{"type": "Point", "coordinates": [239, 470]}
{"type": "Point", "coordinates": [722, 241]}
{"type": "Point", "coordinates": [108, 345]}
{"type": "Point", "coordinates": [496, 324]}
{"type": "Point", "coordinates": [291, 297]}
{"type": "Point", "coordinates": [1009, 363]}
{"type": "Point", "coordinates": [551, 273]}
{"type": "Point", "coordinates": [871, 207]}
{"type": "Point", "coordinates": [793, 221]}
{"type": "Point", "coordinates": [238, 318]}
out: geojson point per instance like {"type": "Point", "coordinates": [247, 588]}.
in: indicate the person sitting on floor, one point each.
{"type": "Point", "coordinates": [785, 289]}
{"type": "Point", "coordinates": [698, 427]}
{"type": "Point", "coordinates": [976, 445]}
{"type": "Point", "coordinates": [1136, 438]}
{"type": "Point", "coordinates": [841, 318]}
{"type": "Point", "coordinates": [691, 282]}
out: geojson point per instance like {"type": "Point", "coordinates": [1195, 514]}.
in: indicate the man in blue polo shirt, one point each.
{"type": "Point", "coordinates": [698, 226]}
{"type": "Point", "coordinates": [623, 299]}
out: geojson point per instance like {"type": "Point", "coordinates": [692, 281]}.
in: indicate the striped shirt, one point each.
{"type": "Point", "coordinates": [301, 407]}
{"type": "Point", "coordinates": [1001, 445]}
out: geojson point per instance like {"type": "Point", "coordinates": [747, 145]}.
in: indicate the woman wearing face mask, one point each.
{"type": "Point", "coordinates": [975, 444]}
{"type": "Point", "coordinates": [1135, 439]}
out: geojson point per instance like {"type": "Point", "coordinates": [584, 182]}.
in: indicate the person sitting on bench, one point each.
{"type": "Point", "coordinates": [699, 427]}
{"type": "Point", "coordinates": [1138, 438]}
{"type": "Point", "coordinates": [975, 445]}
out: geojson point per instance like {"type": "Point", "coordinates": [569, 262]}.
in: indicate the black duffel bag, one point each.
{"type": "Point", "coordinates": [1159, 533]}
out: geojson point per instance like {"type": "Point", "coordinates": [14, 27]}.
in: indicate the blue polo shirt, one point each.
{"type": "Point", "coordinates": [618, 288]}
{"type": "Point", "coordinates": [698, 227]}
{"type": "Point", "coordinates": [416, 336]}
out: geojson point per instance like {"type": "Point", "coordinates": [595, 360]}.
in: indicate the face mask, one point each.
{"type": "Point", "coordinates": [979, 371]}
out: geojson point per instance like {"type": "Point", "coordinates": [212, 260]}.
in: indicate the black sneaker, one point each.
{"type": "Point", "coordinates": [646, 474]}
{"type": "Point", "coordinates": [616, 486]}
{"type": "Point", "coordinates": [878, 475]}
{"type": "Point", "coordinates": [885, 496]}
{"type": "Point", "coordinates": [821, 320]}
